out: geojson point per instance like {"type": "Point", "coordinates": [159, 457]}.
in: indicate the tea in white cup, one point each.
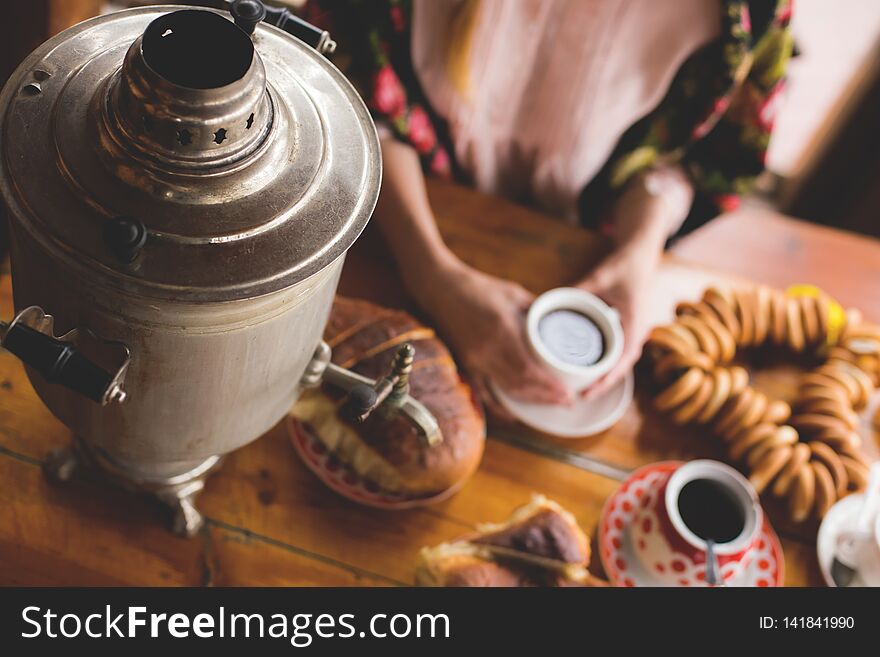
{"type": "Point", "coordinates": [576, 335]}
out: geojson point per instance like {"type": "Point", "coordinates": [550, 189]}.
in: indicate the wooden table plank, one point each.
{"type": "Point", "coordinates": [766, 246]}
{"type": "Point", "coordinates": [88, 534]}
{"type": "Point", "coordinates": [307, 515]}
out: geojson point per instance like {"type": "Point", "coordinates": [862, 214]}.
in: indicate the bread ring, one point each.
{"type": "Point", "coordinates": [708, 344]}
{"type": "Point", "coordinates": [739, 380]}
{"type": "Point", "coordinates": [859, 329]}
{"type": "Point", "coordinates": [802, 493]}
{"type": "Point", "coordinates": [864, 385]}
{"type": "Point", "coordinates": [779, 328]}
{"type": "Point", "coordinates": [853, 452]}
{"type": "Point", "coordinates": [686, 308]}
{"type": "Point", "coordinates": [870, 365]}
{"type": "Point", "coordinates": [863, 346]}
{"type": "Point", "coordinates": [784, 436]}
{"type": "Point", "coordinates": [720, 393]}
{"type": "Point", "coordinates": [752, 414]}
{"type": "Point", "coordinates": [777, 412]}
{"type": "Point", "coordinates": [812, 422]}
{"type": "Point", "coordinates": [685, 335]}
{"type": "Point", "coordinates": [693, 360]}
{"type": "Point", "coordinates": [843, 384]}
{"type": "Point", "coordinates": [856, 472]}
{"type": "Point", "coordinates": [679, 390]}
{"type": "Point", "coordinates": [676, 362]}
{"type": "Point", "coordinates": [800, 454]}
{"type": "Point", "coordinates": [763, 315]}
{"type": "Point", "coordinates": [691, 406]}
{"type": "Point", "coordinates": [831, 408]}
{"type": "Point", "coordinates": [725, 340]}
{"type": "Point", "coordinates": [723, 310]}
{"type": "Point", "coordinates": [852, 322]}
{"type": "Point", "coordinates": [794, 327]}
{"type": "Point", "coordinates": [823, 310]}
{"type": "Point", "coordinates": [826, 493]}
{"type": "Point", "coordinates": [749, 438]}
{"type": "Point", "coordinates": [823, 391]}
{"type": "Point", "coordinates": [733, 410]}
{"type": "Point", "coordinates": [839, 438]}
{"type": "Point", "coordinates": [809, 320]}
{"type": "Point", "coordinates": [837, 373]}
{"type": "Point", "coordinates": [769, 467]}
{"type": "Point", "coordinates": [841, 353]}
{"type": "Point", "coordinates": [746, 316]}
{"type": "Point", "coordinates": [830, 459]}
{"type": "Point", "coordinates": [663, 337]}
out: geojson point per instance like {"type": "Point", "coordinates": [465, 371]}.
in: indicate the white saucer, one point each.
{"type": "Point", "coordinates": [585, 417]}
{"type": "Point", "coordinates": [842, 516]}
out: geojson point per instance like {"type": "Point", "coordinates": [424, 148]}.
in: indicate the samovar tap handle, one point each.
{"type": "Point", "coordinates": [364, 396]}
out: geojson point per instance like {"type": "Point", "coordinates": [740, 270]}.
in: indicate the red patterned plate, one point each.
{"type": "Point", "coordinates": [765, 565]}
{"type": "Point", "coordinates": [342, 480]}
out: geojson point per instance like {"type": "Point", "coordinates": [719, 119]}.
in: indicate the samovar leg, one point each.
{"type": "Point", "coordinates": [178, 493]}
{"type": "Point", "coordinates": [187, 519]}
{"type": "Point", "coordinates": [63, 463]}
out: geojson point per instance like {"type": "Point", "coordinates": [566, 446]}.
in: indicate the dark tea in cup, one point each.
{"type": "Point", "coordinates": [711, 511]}
{"type": "Point", "coordinates": [572, 337]}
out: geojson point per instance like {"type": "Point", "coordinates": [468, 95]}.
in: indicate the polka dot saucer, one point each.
{"type": "Point", "coordinates": [619, 542]}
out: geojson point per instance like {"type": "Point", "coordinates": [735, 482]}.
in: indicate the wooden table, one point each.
{"type": "Point", "coordinates": [271, 522]}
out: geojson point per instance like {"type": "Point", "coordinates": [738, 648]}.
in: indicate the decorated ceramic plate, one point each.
{"type": "Point", "coordinates": [763, 566]}
{"type": "Point", "coordinates": [342, 480]}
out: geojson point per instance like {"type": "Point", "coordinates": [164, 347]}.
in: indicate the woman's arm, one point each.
{"type": "Point", "coordinates": [407, 222]}
{"type": "Point", "coordinates": [481, 316]}
{"type": "Point", "coordinates": [652, 207]}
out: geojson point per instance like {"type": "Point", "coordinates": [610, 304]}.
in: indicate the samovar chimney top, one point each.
{"type": "Point", "coordinates": [192, 92]}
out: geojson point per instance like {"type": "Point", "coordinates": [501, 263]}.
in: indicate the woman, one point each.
{"type": "Point", "coordinates": [640, 117]}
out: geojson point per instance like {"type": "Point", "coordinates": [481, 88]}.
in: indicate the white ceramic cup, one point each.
{"type": "Point", "coordinates": [864, 551]}
{"type": "Point", "coordinates": [871, 564]}
{"type": "Point", "coordinates": [576, 377]}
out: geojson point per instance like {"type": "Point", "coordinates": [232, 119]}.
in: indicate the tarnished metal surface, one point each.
{"type": "Point", "coordinates": [90, 132]}
{"type": "Point", "coordinates": [193, 206]}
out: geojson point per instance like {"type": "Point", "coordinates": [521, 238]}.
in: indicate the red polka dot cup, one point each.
{"type": "Point", "coordinates": [670, 549]}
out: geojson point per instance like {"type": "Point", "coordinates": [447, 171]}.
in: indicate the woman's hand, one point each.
{"type": "Point", "coordinates": [483, 318]}
{"type": "Point", "coordinates": [624, 282]}
{"type": "Point", "coordinates": [653, 207]}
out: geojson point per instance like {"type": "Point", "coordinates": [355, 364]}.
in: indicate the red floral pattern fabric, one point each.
{"type": "Point", "coordinates": [715, 121]}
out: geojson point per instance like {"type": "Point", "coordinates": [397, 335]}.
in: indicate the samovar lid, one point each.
{"type": "Point", "coordinates": [165, 149]}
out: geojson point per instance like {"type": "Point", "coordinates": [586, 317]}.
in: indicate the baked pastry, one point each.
{"type": "Point", "coordinates": [541, 531]}
{"type": "Point", "coordinates": [540, 544]}
{"type": "Point", "coordinates": [364, 337]}
{"type": "Point", "coordinates": [807, 452]}
{"type": "Point", "coordinates": [467, 565]}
